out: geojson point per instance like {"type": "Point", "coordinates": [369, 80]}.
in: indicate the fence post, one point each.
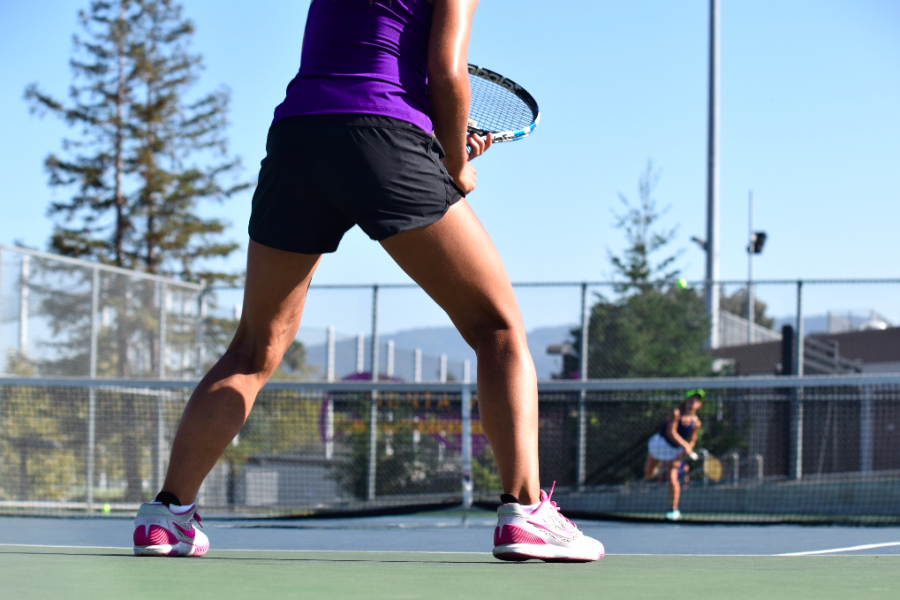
{"type": "Point", "coordinates": [329, 403]}
{"type": "Point", "coordinates": [417, 367]}
{"type": "Point", "coordinates": [23, 307]}
{"type": "Point", "coordinates": [92, 392]}
{"type": "Point", "coordinates": [390, 359]}
{"type": "Point", "coordinates": [580, 466]}
{"type": "Point", "coordinates": [1, 297]}
{"type": "Point", "coordinates": [443, 370]}
{"type": "Point", "coordinates": [466, 441]}
{"type": "Point", "coordinates": [198, 327]}
{"type": "Point", "coordinates": [865, 430]}
{"type": "Point", "coordinates": [360, 352]}
{"type": "Point", "coordinates": [160, 400]}
{"type": "Point", "coordinates": [373, 409]}
{"type": "Point", "coordinates": [799, 340]}
{"type": "Point", "coordinates": [796, 456]}
{"type": "Point", "coordinates": [329, 356]}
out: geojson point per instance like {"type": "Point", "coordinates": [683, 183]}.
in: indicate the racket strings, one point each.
{"type": "Point", "coordinates": [494, 108]}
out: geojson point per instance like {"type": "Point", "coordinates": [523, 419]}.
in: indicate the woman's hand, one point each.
{"type": "Point", "coordinates": [463, 174]}
{"type": "Point", "coordinates": [478, 145]}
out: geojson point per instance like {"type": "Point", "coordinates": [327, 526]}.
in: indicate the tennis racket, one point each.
{"type": "Point", "coordinates": [712, 467]}
{"type": "Point", "coordinates": [500, 107]}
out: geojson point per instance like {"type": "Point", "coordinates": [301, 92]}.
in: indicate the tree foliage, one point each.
{"type": "Point", "coordinates": [145, 155]}
{"type": "Point", "coordinates": [635, 267]}
{"type": "Point", "coordinates": [146, 152]}
{"type": "Point", "coordinates": [652, 328]}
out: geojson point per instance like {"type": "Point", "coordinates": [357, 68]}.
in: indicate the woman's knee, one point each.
{"type": "Point", "coordinates": [497, 334]}
{"type": "Point", "coordinates": [256, 354]}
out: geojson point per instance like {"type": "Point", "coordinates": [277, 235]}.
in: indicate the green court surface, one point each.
{"type": "Point", "coordinates": [98, 573]}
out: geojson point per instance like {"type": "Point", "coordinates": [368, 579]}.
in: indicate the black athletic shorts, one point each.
{"type": "Point", "coordinates": [323, 174]}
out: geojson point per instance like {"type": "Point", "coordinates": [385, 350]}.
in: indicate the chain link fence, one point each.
{"type": "Point", "coordinates": [98, 362]}
{"type": "Point", "coordinates": [61, 317]}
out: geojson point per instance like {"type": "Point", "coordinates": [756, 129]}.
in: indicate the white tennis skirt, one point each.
{"type": "Point", "coordinates": [660, 449]}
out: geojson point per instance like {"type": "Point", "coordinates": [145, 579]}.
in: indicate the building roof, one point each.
{"type": "Point", "coordinates": [871, 346]}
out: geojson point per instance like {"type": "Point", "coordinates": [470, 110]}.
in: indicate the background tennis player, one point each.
{"type": "Point", "coordinates": [672, 444]}
{"type": "Point", "coordinates": [352, 144]}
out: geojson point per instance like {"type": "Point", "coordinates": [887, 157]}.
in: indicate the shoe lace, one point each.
{"type": "Point", "coordinates": [563, 520]}
{"type": "Point", "coordinates": [196, 517]}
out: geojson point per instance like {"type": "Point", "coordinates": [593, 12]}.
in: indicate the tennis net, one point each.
{"type": "Point", "coordinates": [814, 449]}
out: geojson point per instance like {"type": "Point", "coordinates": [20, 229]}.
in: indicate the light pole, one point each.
{"type": "Point", "coordinates": [755, 242]}
{"type": "Point", "coordinates": [711, 291]}
{"type": "Point", "coordinates": [750, 269]}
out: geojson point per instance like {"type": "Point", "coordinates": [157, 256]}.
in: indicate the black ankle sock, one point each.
{"type": "Point", "coordinates": [168, 498]}
{"type": "Point", "coordinates": [509, 499]}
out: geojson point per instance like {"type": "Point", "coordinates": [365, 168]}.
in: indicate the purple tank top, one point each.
{"type": "Point", "coordinates": [363, 57]}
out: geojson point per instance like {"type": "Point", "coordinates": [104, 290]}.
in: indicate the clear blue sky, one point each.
{"type": "Point", "coordinates": [809, 122]}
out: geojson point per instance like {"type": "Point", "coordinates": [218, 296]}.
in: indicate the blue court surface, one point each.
{"type": "Point", "coordinates": [457, 531]}
{"type": "Point", "coordinates": [445, 556]}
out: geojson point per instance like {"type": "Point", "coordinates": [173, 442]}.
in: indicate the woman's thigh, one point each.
{"type": "Point", "coordinates": [274, 295]}
{"type": "Point", "coordinates": [456, 263]}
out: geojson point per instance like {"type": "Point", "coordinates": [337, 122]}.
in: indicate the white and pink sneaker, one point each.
{"type": "Point", "coordinates": [158, 531]}
{"type": "Point", "coordinates": [543, 533]}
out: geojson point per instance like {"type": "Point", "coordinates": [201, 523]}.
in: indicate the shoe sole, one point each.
{"type": "Point", "coordinates": [180, 549]}
{"type": "Point", "coordinates": [546, 553]}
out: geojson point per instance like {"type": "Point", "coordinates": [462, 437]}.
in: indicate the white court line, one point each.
{"type": "Point", "coordinates": [848, 549]}
{"type": "Point", "coordinates": [75, 547]}
{"type": "Point", "coordinates": [246, 549]}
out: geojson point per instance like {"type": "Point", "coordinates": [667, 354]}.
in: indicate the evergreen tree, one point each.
{"type": "Point", "coordinates": [96, 221]}
{"type": "Point", "coordinates": [635, 265]}
{"type": "Point", "coordinates": [145, 157]}
{"type": "Point", "coordinates": [654, 328]}
{"type": "Point", "coordinates": [143, 160]}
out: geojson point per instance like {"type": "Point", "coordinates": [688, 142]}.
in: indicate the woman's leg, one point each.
{"type": "Point", "coordinates": [651, 467]}
{"type": "Point", "coordinates": [674, 484]}
{"type": "Point", "coordinates": [274, 295]}
{"type": "Point", "coordinates": [456, 264]}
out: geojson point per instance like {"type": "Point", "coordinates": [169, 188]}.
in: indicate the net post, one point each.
{"type": "Point", "coordinates": [329, 403]}
{"type": "Point", "coordinates": [865, 429]}
{"type": "Point", "coordinates": [373, 407]}
{"type": "Point", "coordinates": [466, 441]}
{"type": "Point", "coordinates": [736, 467]}
{"type": "Point", "coordinates": [580, 467]}
{"type": "Point", "coordinates": [92, 391]}
{"type": "Point", "coordinates": [796, 455]}
{"type": "Point", "coordinates": [373, 446]}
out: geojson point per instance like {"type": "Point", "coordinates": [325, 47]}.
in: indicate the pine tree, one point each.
{"type": "Point", "coordinates": [95, 221]}
{"type": "Point", "coordinates": [637, 223]}
{"type": "Point", "coordinates": [145, 157]}
{"type": "Point", "coordinates": [142, 161]}
{"type": "Point", "coordinates": [654, 328]}
{"type": "Point", "coordinates": [170, 238]}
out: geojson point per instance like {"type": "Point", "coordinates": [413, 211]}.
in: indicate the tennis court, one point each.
{"type": "Point", "coordinates": [444, 554]}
